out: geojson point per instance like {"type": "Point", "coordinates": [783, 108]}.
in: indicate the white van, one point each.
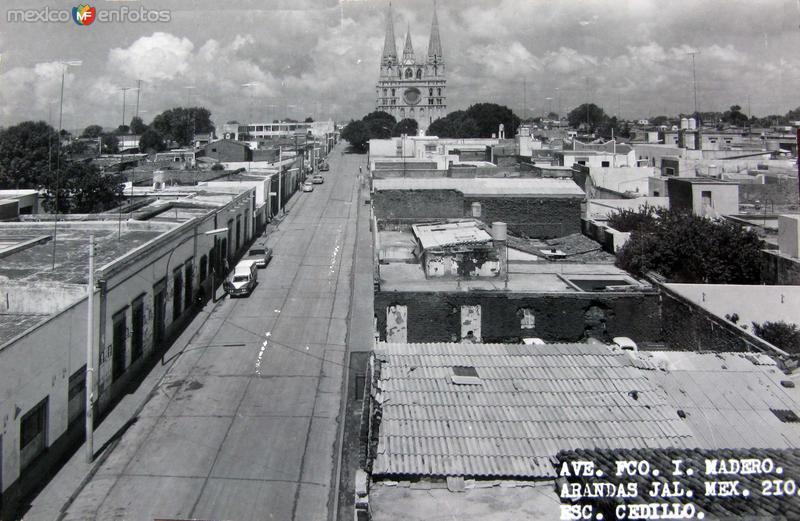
{"type": "Point", "coordinates": [243, 280]}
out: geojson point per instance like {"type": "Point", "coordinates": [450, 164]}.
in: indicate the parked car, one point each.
{"type": "Point", "coordinates": [317, 179]}
{"type": "Point", "coordinates": [261, 254]}
{"type": "Point", "coordinates": [243, 280]}
{"type": "Point", "coordinates": [324, 167]}
{"type": "Point", "coordinates": [308, 186]}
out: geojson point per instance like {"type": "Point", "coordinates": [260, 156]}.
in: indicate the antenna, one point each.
{"type": "Point", "coordinates": [694, 80]}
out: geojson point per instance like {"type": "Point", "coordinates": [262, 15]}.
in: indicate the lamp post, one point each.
{"type": "Point", "coordinates": [189, 115]}
{"type": "Point", "coordinates": [124, 93]}
{"type": "Point", "coordinates": [64, 64]}
{"type": "Point", "coordinates": [247, 86]}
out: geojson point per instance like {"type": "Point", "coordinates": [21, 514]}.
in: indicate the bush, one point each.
{"type": "Point", "coordinates": [780, 334]}
{"type": "Point", "coordinates": [217, 167]}
{"type": "Point", "coordinates": [684, 247]}
{"type": "Point", "coordinates": [628, 220]}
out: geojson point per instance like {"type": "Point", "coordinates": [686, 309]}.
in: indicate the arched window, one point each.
{"type": "Point", "coordinates": [393, 92]}
{"type": "Point", "coordinates": [435, 70]}
{"type": "Point", "coordinates": [409, 73]}
{"type": "Point", "coordinates": [419, 74]}
{"type": "Point", "coordinates": [384, 92]}
{"type": "Point", "coordinates": [400, 73]}
{"type": "Point", "coordinates": [439, 93]}
{"type": "Point", "coordinates": [430, 91]}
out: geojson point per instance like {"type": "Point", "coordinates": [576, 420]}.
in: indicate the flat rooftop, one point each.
{"type": "Point", "coordinates": [753, 303]}
{"type": "Point", "coordinates": [485, 186]}
{"type": "Point", "coordinates": [12, 324]}
{"type": "Point", "coordinates": [34, 263]}
{"type": "Point", "coordinates": [535, 277]}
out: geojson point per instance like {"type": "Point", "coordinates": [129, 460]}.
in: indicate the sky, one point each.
{"type": "Point", "coordinates": [261, 60]}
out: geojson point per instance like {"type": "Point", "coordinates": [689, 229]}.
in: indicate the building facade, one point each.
{"type": "Point", "coordinates": [412, 88]}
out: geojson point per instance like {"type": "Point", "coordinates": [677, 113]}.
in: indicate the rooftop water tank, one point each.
{"type": "Point", "coordinates": [499, 230]}
{"type": "Point", "coordinates": [692, 124]}
{"type": "Point", "coordinates": [684, 123]}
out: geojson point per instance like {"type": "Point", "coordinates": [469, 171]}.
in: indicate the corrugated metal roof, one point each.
{"type": "Point", "coordinates": [450, 234]}
{"type": "Point", "coordinates": [532, 402]}
{"type": "Point", "coordinates": [728, 398]}
{"type": "Point", "coordinates": [483, 186]}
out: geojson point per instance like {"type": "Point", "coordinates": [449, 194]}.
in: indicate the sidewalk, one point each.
{"type": "Point", "coordinates": [65, 485]}
{"type": "Point", "coordinates": [60, 491]}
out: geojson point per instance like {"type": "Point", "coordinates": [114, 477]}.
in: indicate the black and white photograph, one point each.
{"type": "Point", "coordinates": [413, 260]}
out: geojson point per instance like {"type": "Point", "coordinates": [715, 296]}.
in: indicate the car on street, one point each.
{"type": "Point", "coordinates": [317, 179]}
{"type": "Point", "coordinates": [243, 280]}
{"type": "Point", "coordinates": [324, 167]}
{"type": "Point", "coordinates": [261, 254]}
{"type": "Point", "coordinates": [308, 186]}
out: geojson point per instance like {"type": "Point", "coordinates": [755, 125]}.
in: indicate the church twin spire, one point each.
{"type": "Point", "coordinates": [390, 49]}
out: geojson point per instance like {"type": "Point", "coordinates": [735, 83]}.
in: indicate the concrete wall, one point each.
{"type": "Point", "coordinates": [568, 317]}
{"type": "Point", "coordinates": [780, 192]}
{"type": "Point", "coordinates": [779, 269]}
{"type": "Point", "coordinates": [29, 298]}
{"type": "Point", "coordinates": [37, 367]}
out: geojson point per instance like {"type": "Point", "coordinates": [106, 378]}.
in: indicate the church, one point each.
{"type": "Point", "coordinates": [410, 87]}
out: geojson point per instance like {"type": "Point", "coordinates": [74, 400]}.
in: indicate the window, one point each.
{"type": "Point", "coordinates": [439, 91]}
{"type": "Point", "coordinates": [669, 171]}
{"type": "Point", "coordinates": [384, 92]}
{"type": "Point", "coordinates": [188, 269]}
{"type": "Point", "coordinates": [177, 290]}
{"type": "Point", "coordinates": [118, 344]}
{"type": "Point", "coordinates": [528, 319]}
{"type": "Point", "coordinates": [203, 268]}
{"type": "Point", "coordinates": [393, 92]}
{"type": "Point", "coordinates": [419, 74]}
{"type": "Point", "coordinates": [137, 328]}
{"type": "Point", "coordinates": [430, 91]}
{"type": "Point", "coordinates": [582, 162]}
{"type": "Point", "coordinates": [33, 433]}
{"type": "Point", "coordinates": [409, 74]}
{"type": "Point", "coordinates": [656, 193]}
{"type": "Point", "coordinates": [76, 396]}
{"type": "Point", "coordinates": [605, 164]}
{"type": "Point", "coordinates": [705, 195]}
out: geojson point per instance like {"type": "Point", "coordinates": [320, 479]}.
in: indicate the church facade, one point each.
{"type": "Point", "coordinates": [410, 87]}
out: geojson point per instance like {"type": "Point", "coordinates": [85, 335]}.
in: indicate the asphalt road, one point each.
{"type": "Point", "coordinates": [244, 425]}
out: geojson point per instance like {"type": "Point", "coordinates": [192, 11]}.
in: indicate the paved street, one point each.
{"type": "Point", "coordinates": [244, 425]}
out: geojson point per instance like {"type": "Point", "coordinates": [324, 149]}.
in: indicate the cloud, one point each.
{"type": "Point", "coordinates": [161, 56]}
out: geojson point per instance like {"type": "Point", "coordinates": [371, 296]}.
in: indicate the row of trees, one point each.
{"type": "Point", "coordinates": [376, 125]}
{"type": "Point", "coordinates": [176, 125]}
{"type": "Point", "coordinates": [479, 120]}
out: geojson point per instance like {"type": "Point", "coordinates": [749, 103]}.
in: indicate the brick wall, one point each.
{"type": "Point", "coordinates": [538, 217]}
{"type": "Point", "coordinates": [436, 317]}
{"type": "Point", "coordinates": [541, 217]}
{"type": "Point", "coordinates": [414, 204]}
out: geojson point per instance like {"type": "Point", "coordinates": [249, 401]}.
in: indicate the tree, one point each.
{"type": "Point", "coordinates": [407, 126]}
{"type": "Point", "coordinates": [488, 117]}
{"type": "Point", "coordinates": [588, 114]}
{"type": "Point", "coordinates": [122, 129]}
{"type": "Point", "coordinates": [28, 152]}
{"type": "Point", "coordinates": [457, 124]}
{"type": "Point", "coordinates": [735, 117]}
{"type": "Point", "coordinates": [109, 144]}
{"type": "Point", "coordinates": [659, 121]}
{"type": "Point", "coordinates": [151, 141]}
{"type": "Point", "coordinates": [688, 248]}
{"type": "Point", "coordinates": [780, 334]}
{"type": "Point", "coordinates": [552, 116]}
{"type": "Point", "coordinates": [137, 125]}
{"type": "Point", "coordinates": [357, 133]}
{"type": "Point", "coordinates": [309, 119]}
{"type": "Point", "coordinates": [178, 124]}
{"type": "Point", "coordinates": [92, 131]}
{"type": "Point", "coordinates": [83, 188]}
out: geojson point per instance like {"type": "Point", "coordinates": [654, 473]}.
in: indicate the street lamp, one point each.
{"type": "Point", "coordinates": [189, 115]}
{"type": "Point", "coordinates": [65, 64]}
{"type": "Point", "coordinates": [124, 92]}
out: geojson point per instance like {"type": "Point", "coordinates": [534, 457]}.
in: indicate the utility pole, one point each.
{"type": "Point", "coordinates": [90, 357]}
{"type": "Point", "coordinates": [138, 92]}
{"type": "Point", "coordinates": [524, 99]}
